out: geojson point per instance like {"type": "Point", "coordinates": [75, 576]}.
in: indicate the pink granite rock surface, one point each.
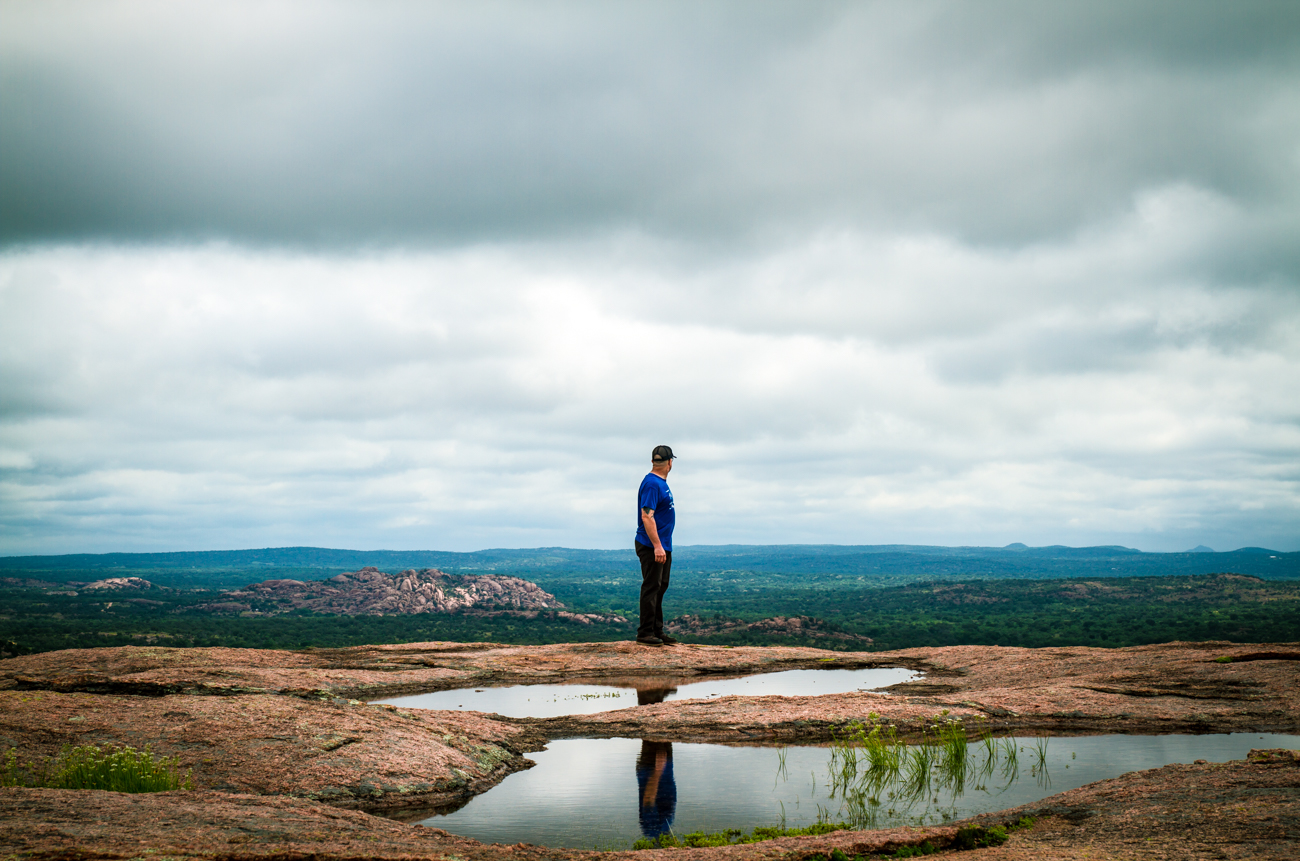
{"type": "Point", "coordinates": [272, 736]}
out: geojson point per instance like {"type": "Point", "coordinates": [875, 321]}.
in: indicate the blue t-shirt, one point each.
{"type": "Point", "coordinates": [654, 494]}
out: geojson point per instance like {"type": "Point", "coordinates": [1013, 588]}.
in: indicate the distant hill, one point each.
{"type": "Point", "coordinates": [800, 563]}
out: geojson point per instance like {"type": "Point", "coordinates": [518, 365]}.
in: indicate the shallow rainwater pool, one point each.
{"type": "Point", "coordinates": [543, 701]}
{"type": "Point", "coordinates": [606, 793]}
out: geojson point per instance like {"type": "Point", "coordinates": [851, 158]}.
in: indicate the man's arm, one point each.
{"type": "Point", "coordinates": [652, 785]}
{"type": "Point", "coordinates": [648, 518]}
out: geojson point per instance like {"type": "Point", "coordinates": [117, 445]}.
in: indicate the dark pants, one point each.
{"type": "Point", "coordinates": [654, 583]}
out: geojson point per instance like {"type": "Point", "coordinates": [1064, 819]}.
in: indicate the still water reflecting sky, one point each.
{"type": "Point", "coordinates": [605, 793]}
{"type": "Point", "coordinates": [543, 701]}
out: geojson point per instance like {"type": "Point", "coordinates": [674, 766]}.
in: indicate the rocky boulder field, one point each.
{"type": "Point", "coordinates": [290, 762]}
{"type": "Point", "coordinates": [371, 592]}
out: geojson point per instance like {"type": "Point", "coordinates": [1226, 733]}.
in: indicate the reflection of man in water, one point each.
{"type": "Point", "coordinates": [650, 696]}
{"type": "Point", "coordinates": [654, 777]}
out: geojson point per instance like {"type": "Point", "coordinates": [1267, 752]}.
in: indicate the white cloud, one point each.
{"type": "Point", "coordinates": [852, 388]}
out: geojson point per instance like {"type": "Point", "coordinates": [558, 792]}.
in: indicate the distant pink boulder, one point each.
{"type": "Point", "coordinates": [371, 592]}
{"type": "Point", "coordinates": [119, 583]}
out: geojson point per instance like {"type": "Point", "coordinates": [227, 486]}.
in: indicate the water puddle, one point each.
{"type": "Point", "coordinates": [545, 701]}
{"type": "Point", "coordinates": [607, 793]}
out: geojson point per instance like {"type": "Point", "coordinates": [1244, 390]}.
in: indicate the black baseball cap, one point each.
{"type": "Point", "coordinates": [662, 453]}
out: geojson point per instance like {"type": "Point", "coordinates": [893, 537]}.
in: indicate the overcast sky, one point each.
{"type": "Point", "coordinates": [440, 275]}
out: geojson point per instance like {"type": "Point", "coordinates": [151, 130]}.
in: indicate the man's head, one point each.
{"type": "Point", "coordinates": [661, 459]}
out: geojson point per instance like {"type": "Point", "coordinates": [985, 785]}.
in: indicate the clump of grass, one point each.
{"type": "Point", "coordinates": [969, 837]}
{"type": "Point", "coordinates": [977, 836]}
{"type": "Point", "coordinates": [880, 750]}
{"type": "Point", "coordinates": [883, 751]}
{"type": "Point", "coordinates": [923, 848]}
{"type": "Point", "coordinates": [734, 836]}
{"type": "Point", "coordinates": [1008, 749]}
{"type": "Point", "coordinates": [916, 771]}
{"type": "Point", "coordinates": [1223, 659]}
{"type": "Point", "coordinates": [953, 745]}
{"type": "Point", "coordinates": [836, 855]}
{"type": "Point", "coordinates": [14, 773]}
{"type": "Point", "coordinates": [115, 768]}
{"type": "Point", "coordinates": [1040, 751]}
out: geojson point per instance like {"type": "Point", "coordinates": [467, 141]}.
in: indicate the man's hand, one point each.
{"type": "Point", "coordinates": [648, 518]}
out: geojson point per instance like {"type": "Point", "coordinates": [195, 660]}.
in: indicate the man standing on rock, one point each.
{"type": "Point", "coordinates": [654, 546]}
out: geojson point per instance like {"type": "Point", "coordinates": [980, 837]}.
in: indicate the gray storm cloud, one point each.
{"type": "Point", "coordinates": [356, 123]}
{"type": "Point", "coordinates": [440, 274]}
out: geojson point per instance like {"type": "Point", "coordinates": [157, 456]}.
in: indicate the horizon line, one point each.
{"type": "Point", "coordinates": [1014, 546]}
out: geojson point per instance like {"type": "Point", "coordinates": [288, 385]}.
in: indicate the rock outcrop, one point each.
{"type": "Point", "coordinates": [371, 592]}
{"type": "Point", "coordinates": [119, 584]}
{"type": "Point", "coordinates": [342, 751]}
{"type": "Point", "coordinates": [1171, 687]}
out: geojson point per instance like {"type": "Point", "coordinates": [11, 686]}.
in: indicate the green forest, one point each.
{"type": "Point", "coordinates": [898, 597]}
{"type": "Point", "coordinates": [880, 565]}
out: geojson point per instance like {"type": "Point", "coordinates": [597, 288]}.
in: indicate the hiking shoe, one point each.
{"type": "Point", "coordinates": [669, 641]}
{"type": "Point", "coordinates": [649, 641]}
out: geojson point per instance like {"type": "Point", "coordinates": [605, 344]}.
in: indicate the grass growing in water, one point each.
{"type": "Point", "coordinates": [112, 767]}
{"type": "Point", "coordinates": [1040, 751]}
{"type": "Point", "coordinates": [876, 775]}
